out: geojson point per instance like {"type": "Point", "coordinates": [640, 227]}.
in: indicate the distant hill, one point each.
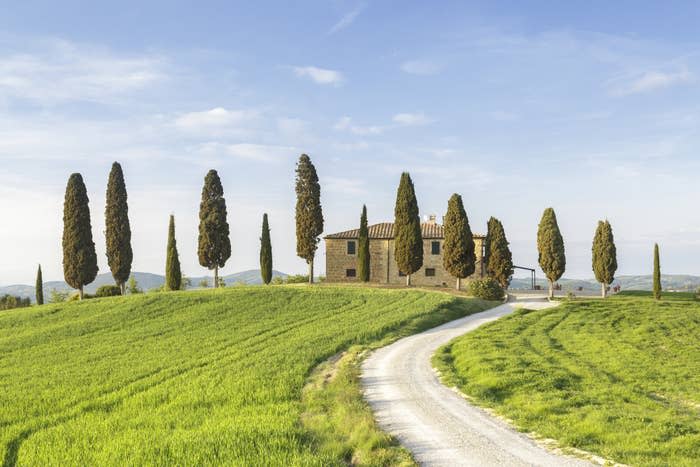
{"type": "Point", "coordinates": [146, 281]}
{"type": "Point", "coordinates": [644, 282]}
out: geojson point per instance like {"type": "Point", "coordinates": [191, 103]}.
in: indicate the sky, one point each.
{"type": "Point", "coordinates": [591, 108]}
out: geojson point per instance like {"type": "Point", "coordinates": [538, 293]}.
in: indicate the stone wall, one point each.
{"type": "Point", "coordinates": [382, 253]}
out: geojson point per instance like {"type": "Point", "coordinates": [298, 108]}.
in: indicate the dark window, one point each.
{"type": "Point", "coordinates": [351, 247]}
{"type": "Point", "coordinates": [435, 248]}
{"type": "Point", "coordinates": [401, 274]}
{"type": "Point", "coordinates": [350, 273]}
{"type": "Point", "coordinates": [429, 272]}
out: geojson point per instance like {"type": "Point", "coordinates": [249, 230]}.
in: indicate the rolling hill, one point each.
{"type": "Point", "coordinates": [204, 377]}
{"type": "Point", "coordinates": [679, 282]}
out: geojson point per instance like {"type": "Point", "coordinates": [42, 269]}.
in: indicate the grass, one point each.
{"type": "Point", "coordinates": [201, 378]}
{"type": "Point", "coordinates": [619, 378]}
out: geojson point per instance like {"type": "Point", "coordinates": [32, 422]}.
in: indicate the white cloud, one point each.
{"type": "Point", "coordinates": [649, 81]}
{"type": "Point", "coordinates": [57, 71]}
{"type": "Point", "coordinates": [411, 119]}
{"type": "Point", "coordinates": [346, 20]}
{"type": "Point", "coordinates": [348, 186]}
{"type": "Point", "coordinates": [214, 118]}
{"type": "Point", "coordinates": [319, 75]}
{"type": "Point", "coordinates": [346, 124]}
{"type": "Point", "coordinates": [420, 67]}
{"type": "Point", "coordinates": [249, 151]}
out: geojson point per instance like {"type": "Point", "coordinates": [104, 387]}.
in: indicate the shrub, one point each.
{"type": "Point", "coordinates": [486, 288]}
{"type": "Point", "coordinates": [58, 296]}
{"type": "Point", "coordinates": [8, 302]}
{"type": "Point", "coordinates": [297, 279]}
{"type": "Point", "coordinates": [108, 291]}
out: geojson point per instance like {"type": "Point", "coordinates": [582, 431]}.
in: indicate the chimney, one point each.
{"type": "Point", "coordinates": [432, 219]}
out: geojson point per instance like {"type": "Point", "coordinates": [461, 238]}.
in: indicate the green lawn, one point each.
{"type": "Point", "coordinates": [619, 378]}
{"type": "Point", "coordinates": [200, 378]}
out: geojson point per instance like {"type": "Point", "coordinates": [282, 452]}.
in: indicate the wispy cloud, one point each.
{"type": "Point", "coordinates": [347, 19]}
{"type": "Point", "coordinates": [649, 81]}
{"type": "Point", "coordinates": [55, 71]}
{"type": "Point", "coordinates": [215, 118]}
{"type": "Point", "coordinates": [411, 119]}
{"type": "Point", "coordinates": [319, 75]}
{"type": "Point", "coordinates": [421, 67]}
{"type": "Point", "coordinates": [249, 151]}
{"type": "Point", "coordinates": [348, 186]}
{"type": "Point", "coordinates": [346, 123]}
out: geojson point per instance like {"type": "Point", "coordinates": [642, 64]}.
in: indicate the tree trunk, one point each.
{"type": "Point", "coordinates": [459, 283]}
{"type": "Point", "coordinates": [122, 287]}
{"type": "Point", "coordinates": [551, 289]}
{"type": "Point", "coordinates": [603, 290]}
{"type": "Point", "coordinates": [311, 272]}
{"type": "Point", "coordinates": [216, 277]}
{"type": "Point", "coordinates": [80, 292]}
{"type": "Point", "coordinates": [408, 280]}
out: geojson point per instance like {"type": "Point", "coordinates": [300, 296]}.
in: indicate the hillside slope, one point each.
{"type": "Point", "coordinates": [186, 378]}
{"type": "Point", "coordinates": [619, 378]}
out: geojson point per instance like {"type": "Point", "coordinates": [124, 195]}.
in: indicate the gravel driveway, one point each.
{"type": "Point", "coordinates": [437, 425]}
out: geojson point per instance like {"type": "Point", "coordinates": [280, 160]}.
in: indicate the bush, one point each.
{"type": "Point", "coordinates": [297, 279]}
{"type": "Point", "coordinates": [8, 302]}
{"type": "Point", "coordinates": [108, 291]}
{"type": "Point", "coordinates": [487, 289]}
{"type": "Point", "coordinates": [58, 296]}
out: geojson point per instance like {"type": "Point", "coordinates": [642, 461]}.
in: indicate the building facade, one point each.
{"type": "Point", "coordinates": [341, 256]}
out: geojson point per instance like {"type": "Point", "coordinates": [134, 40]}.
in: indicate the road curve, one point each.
{"type": "Point", "coordinates": [436, 424]}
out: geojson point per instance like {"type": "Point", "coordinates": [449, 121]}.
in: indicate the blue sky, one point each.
{"type": "Point", "coordinates": [588, 107]}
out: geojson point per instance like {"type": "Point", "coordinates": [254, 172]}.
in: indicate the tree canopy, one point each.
{"type": "Point", "coordinates": [214, 242]}
{"type": "Point", "coordinates": [173, 273]}
{"type": "Point", "coordinates": [604, 255]}
{"type": "Point", "coordinates": [309, 215]}
{"type": "Point", "coordinates": [408, 240]}
{"type": "Point", "coordinates": [458, 257]}
{"type": "Point", "coordinates": [550, 246]}
{"type": "Point", "coordinates": [498, 257]}
{"type": "Point", "coordinates": [118, 230]}
{"type": "Point", "coordinates": [265, 252]}
{"type": "Point", "coordinates": [363, 258]}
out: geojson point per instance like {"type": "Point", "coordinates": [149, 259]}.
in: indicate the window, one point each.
{"type": "Point", "coordinates": [429, 272]}
{"type": "Point", "coordinates": [435, 248]}
{"type": "Point", "coordinates": [401, 274]}
{"type": "Point", "coordinates": [351, 247]}
{"type": "Point", "coordinates": [350, 273]}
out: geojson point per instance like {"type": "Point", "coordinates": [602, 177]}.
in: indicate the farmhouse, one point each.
{"type": "Point", "coordinates": [341, 256]}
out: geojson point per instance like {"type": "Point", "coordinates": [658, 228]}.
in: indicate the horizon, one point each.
{"type": "Point", "coordinates": [588, 109]}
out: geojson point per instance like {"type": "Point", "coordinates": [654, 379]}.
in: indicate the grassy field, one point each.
{"type": "Point", "coordinates": [619, 378]}
{"type": "Point", "coordinates": [202, 378]}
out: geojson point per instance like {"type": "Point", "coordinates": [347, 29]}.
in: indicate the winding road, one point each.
{"type": "Point", "coordinates": [435, 423]}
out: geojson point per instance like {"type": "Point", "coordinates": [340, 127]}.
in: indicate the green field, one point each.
{"type": "Point", "coordinates": [619, 378]}
{"type": "Point", "coordinates": [201, 378]}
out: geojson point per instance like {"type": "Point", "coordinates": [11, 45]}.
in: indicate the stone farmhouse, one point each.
{"type": "Point", "coordinates": [341, 256]}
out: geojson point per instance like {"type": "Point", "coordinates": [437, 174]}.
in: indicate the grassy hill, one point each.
{"type": "Point", "coordinates": [619, 378]}
{"type": "Point", "coordinates": [211, 377]}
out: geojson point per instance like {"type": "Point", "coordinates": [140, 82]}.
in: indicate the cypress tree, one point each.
{"type": "Point", "coordinates": [604, 256]}
{"type": "Point", "coordinates": [79, 257]}
{"type": "Point", "coordinates": [363, 248]}
{"type": "Point", "coordinates": [173, 273]}
{"type": "Point", "coordinates": [550, 246]}
{"type": "Point", "coordinates": [309, 215]}
{"type": "Point", "coordinates": [657, 273]}
{"type": "Point", "coordinates": [408, 241]}
{"type": "Point", "coordinates": [265, 252]}
{"type": "Point", "coordinates": [39, 287]}
{"type": "Point", "coordinates": [214, 243]}
{"type": "Point", "coordinates": [118, 230]}
{"type": "Point", "coordinates": [458, 255]}
{"type": "Point", "coordinates": [498, 257]}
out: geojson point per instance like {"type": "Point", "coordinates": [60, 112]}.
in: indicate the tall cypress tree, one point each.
{"type": "Point", "coordinates": [173, 273]}
{"type": "Point", "coordinates": [408, 240]}
{"type": "Point", "coordinates": [118, 230]}
{"type": "Point", "coordinates": [657, 273]}
{"type": "Point", "coordinates": [363, 248]}
{"type": "Point", "coordinates": [458, 257]}
{"type": "Point", "coordinates": [604, 256]}
{"type": "Point", "coordinates": [214, 243]}
{"type": "Point", "coordinates": [309, 215]}
{"type": "Point", "coordinates": [550, 246]}
{"type": "Point", "coordinates": [265, 252]}
{"type": "Point", "coordinates": [39, 287]}
{"type": "Point", "coordinates": [498, 257]}
{"type": "Point", "coordinates": [79, 257]}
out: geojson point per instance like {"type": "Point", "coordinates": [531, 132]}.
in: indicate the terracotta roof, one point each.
{"type": "Point", "coordinates": [385, 230]}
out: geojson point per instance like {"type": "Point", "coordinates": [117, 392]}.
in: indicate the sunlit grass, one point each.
{"type": "Point", "coordinates": [619, 378]}
{"type": "Point", "coordinates": [195, 378]}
